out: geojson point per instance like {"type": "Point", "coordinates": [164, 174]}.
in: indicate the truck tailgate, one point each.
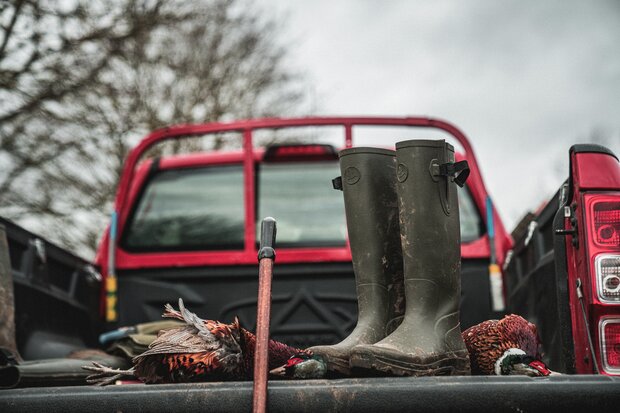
{"type": "Point", "coordinates": [514, 393]}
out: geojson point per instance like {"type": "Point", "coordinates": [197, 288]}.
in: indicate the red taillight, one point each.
{"type": "Point", "coordinates": [603, 247]}
{"type": "Point", "coordinates": [300, 152]}
{"type": "Point", "coordinates": [607, 223]}
{"type": "Point", "coordinates": [609, 329]}
{"type": "Point", "coordinates": [603, 213]}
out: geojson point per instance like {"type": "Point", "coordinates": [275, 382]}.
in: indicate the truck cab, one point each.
{"type": "Point", "coordinates": [186, 226]}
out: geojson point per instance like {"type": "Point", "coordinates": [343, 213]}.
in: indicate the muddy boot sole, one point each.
{"type": "Point", "coordinates": [398, 364]}
{"type": "Point", "coordinates": [336, 365]}
{"type": "Point", "coordinates": [339, 365]}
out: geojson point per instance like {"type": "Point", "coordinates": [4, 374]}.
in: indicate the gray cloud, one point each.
{"type": "Point", "coordinates": [524, 80]}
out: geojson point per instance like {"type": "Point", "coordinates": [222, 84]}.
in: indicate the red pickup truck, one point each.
{"type": "Point", "coordinates": [186, 226]}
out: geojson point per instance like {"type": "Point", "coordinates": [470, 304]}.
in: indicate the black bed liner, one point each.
{"type": "Point", "coordinates": [431, 394]}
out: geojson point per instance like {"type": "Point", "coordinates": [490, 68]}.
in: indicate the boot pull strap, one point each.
{"type": "Point", "coordinates": [337, 183]}
{"type": "Point", "coordinates": [458, 170]}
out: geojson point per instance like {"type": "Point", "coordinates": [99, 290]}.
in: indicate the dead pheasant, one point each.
{"type": "Point", "coordinates": [200, 350]}
{"type": "Point", "coordinates": [505, 347]}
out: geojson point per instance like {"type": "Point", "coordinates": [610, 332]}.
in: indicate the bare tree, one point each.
{"type": "Point", "coordinates": [81, 81]}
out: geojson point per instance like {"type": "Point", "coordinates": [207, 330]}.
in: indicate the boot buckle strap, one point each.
{"type": "Point", "coordinates": [337, 183]}
{"type": "Point", "coordinates": [458, 171]}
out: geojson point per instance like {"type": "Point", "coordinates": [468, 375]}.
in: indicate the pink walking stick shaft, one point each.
{"type": "Point", "coordinates": [266, 257]}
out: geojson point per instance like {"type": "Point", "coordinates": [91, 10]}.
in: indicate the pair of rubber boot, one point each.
{"type": "Point", "coordinates": [403, 222]}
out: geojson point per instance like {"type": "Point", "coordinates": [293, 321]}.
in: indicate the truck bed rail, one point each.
{"type": "Point", "coordinates": [431, 394]}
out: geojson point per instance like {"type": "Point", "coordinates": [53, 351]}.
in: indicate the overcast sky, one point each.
{"type": "Point", "coordinates": [523, 79]}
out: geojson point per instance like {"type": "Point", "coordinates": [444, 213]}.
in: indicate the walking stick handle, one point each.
{"type": "Point", "coordinates": [267, 239]}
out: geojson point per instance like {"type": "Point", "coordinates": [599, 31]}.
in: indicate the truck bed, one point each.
{"type": "Point", "coordinates": [432, 394]}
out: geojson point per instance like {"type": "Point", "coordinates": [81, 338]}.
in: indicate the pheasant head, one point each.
{"type": "Point", "coordinates": [302, 365]}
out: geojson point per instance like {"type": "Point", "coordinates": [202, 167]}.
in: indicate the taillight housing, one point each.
{"type": "Point", "coordinates": [604, 245]}
{"type": "Point", "coordinates": [609, 329]}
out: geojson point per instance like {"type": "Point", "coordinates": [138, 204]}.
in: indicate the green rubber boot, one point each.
{"type": "Point", "coordinates": [428, 342]}
{"type": "Point", "coordinates": [371, 208]}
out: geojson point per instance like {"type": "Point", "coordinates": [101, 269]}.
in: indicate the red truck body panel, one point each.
{"type": "Point", "coordinates": [594, 175]}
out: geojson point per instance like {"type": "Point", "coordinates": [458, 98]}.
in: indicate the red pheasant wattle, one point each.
{"type": "Point", "coordinates": [509, 346]}
{"type": "Point", "coordinates": [201, 350]}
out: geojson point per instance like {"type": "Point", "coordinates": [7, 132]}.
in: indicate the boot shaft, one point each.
{"type": "Point", "coordinates": [431, 242]}
{"type": "Point", "coordinates": [429, 213]}
{"type": "Point", "coordinates": [371, 209]}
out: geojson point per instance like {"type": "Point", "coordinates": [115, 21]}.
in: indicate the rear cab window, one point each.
{"type": "Point", "coordinates": [309, 212]}
{"type": "Point", "coordinates": [193, 209]}
{"type": "Point", "coordinates": [189, 209]}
